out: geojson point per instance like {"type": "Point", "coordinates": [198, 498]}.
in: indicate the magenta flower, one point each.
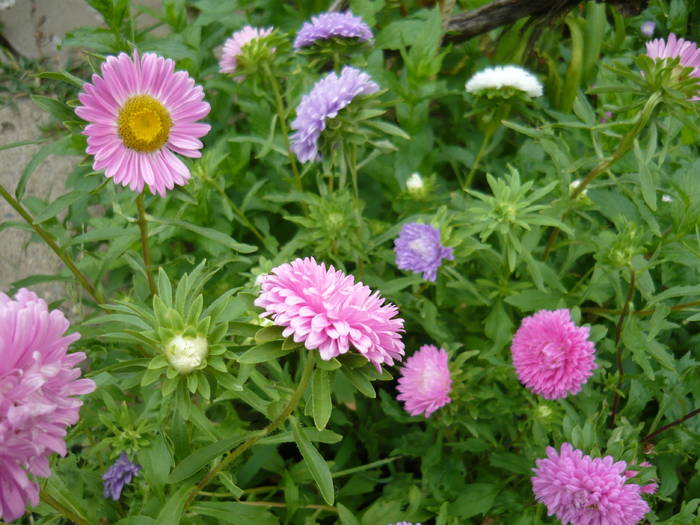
{"type": "Point", "coordinates": [580, 490]}
{"type": "Point", "coordinates": [686, 50]}
{"type": "Point", "coordinates": [119, 474]}
{"type": "Point", "coordinates": [332, 25]}
{"type": "Point", "coordinates": [38, 385]}
{"type": "Point", "coordinates": [325, 100]}
{"type": "Point", "coordinates": [233, 47]}
{"type": "Point", "coordinates": [425, 381]}
{"type": "Point", "coordinates": [140, 113]}
{"type": "Point", "coordinates": [418, 249]}
{"type": "Point", "coordinates": [326, 310]}
{"type": "Point", "coordinates": [552, 356]}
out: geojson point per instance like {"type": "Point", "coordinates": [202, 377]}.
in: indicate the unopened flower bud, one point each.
{"type": "Point", "coordinates": [186, 353]}
{"type": "Point", "coordinates": [414, 184]}
{"type": "Point", "coordinates": [648, 28]}
{"type": "Point", "coordinates": [575, 184]}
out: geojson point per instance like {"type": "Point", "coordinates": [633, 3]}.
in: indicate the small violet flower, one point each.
{"type": "Point", "coordinates": [119, 474]}
{"type": "Point", "coordinates": [418, 249]}
{"type": "Point", "coordinates": [331, 25]}
{"type": "Point", "coordinates": [648, 28]}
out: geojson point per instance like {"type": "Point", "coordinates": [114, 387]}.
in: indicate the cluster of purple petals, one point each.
{"type": "Point", "coordinates": [330, 94]}
{"type": "Point", "coordinates": [418, 249]}
{"type": "Point", "coordinates": [118, 475]}
{"type": "Point", "coordinates": [330, 25]}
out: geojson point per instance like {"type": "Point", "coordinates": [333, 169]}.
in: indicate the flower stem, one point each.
{"type": "Point", "coordinates": [604, 165]}
{"type": "Point", "coordinates": [63, 511]}
{"type": "Point", "coordinates": [46, 236]}
{"type": "Point", "coordinates": [671, 425]}
{"type": "Point", "coordinates": [618, 344]}
{"type": "Point", "coordinates": [281, 117]}
{"type": "Point", "coordinates": [293, 402]}
{"type": "Point", "coordinates": [145, 246]}
{"type": "Point", "coordinates": [484, 145]}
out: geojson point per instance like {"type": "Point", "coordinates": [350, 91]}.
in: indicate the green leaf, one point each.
{"type": "Point", "coordinates": [171, 512]}
{"type": "Point", "coordinates": [39, 157]}
{"type": "Point", "coordinates": [321, 403]}
{"type": "Point", "coordinates": [474, 499]}
{"type": "Point", "coordinates": [63, 76]}
{"type": "Point", "coordinates": [211, 234]}
{"type": "Point", "coordinates": [20, 143]}
{"type": "Point", "coordinates": [57, 206]}
{"type": "Point", "coordinates": [264, 352]}
{"type": "Point", "coordinates": [201, 457]}
{"type": "Point", "coordinates": [267, 334]}
{"type": "Point", "coordinates": [235, 513]}
{"type": "Point", "coordinates": [56, 108]}
{"type": "Point", "coordinates": [360, 382]}
{"type": "Point", "coordinates": [346, 517]}
{"type": "Point", "coordinates": [315, 463]}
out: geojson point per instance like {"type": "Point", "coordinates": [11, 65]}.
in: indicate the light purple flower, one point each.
{"type": "Point", "coordinates": [330, 25]}
{"type": "Point", "coordinates": [328, 96]}
{"type": "Point", "coordinates": [119, 474]}
{"type": "Point", "coordinates": [233, 47]}
{"type": "Point", "coordinates": [425, 381]}
{"type": "Point", "coordinates": [418, 249]}
{"type": "Point", "coordinates": [648, 28]}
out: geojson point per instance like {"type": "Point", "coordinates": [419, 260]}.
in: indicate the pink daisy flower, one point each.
{"type": "Point", "coordinates": [327, 310]}
{"type": "Point", "coordinates": [674, 47]}
{"type": "Point", "coordinates": [551, 355]}
{"type": "Point", "coordinates": [38, 385]}
{"type": "Point", "coordinates": [140, 113]}
{"type": "Point", "coordinates": [580, 490]}
{"type": "Point", "coordinates": [233, 47]}
{"type": "Point", "coordinates": [425, 381]}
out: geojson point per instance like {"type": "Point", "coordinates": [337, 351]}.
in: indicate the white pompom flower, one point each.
{"type": "Point", "coordinates": [500, 77]}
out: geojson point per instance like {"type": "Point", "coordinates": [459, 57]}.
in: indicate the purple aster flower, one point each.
{"type": "Point", "coordinates": [328, 96]}
{"type": "Point", "coordinates": [648, 28]}
{"type": "Point", "coordinates": [418, 249]}
{"type": "Point", "coordinates": [330, 25]}
{"type": "Point", "coordinates": [118, 475]}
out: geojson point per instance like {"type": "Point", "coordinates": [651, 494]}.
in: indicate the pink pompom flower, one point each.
{"type": "Point", "coordinates": [551, 355]}
{"type": "Point", "coordinates": [327, 310]}
{"type": "Point", "coordinates": [425, 381]}
{"type": "Point", "coordinates": [38, 385]}
{"type": "Point", "coordinates": [580, 490]}
{"type": "Point", "coordinates": [141, 112]}
{"type": "Point", "coordinates": [233, 47]}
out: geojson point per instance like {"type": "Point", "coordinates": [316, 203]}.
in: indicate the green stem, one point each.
{"type": "Point", "coordinates": [671, 425]}
{"type": "Point", "coordinates": [293, 402]}
{"type": "Point", "coordinates": [484, 145]}
{"type": "Point", "coordinates": [63, 511]}
{"type": "Point", "coordinates": [362, 468]}
{"type": "Point", "coordinates": [281, 117]}
{"type": "Point", "coordinates": [46, 236]}
{"type": "Point", "coordinates": [145, 246]}
{"type": "Point", "coordinates": [604, 165]}
{"type": "Point", "coordinates": [618, 344]}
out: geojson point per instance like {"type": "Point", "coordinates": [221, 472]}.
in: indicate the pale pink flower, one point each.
{"type": "Point", "coordinates": [233, 47]}
{"type": "Point", "coordinates": [674, 47]}
{"type": "Point", "coordinates": [38, 385]}
{"type": "Point", "coordinates": [580, 490]}
{"type": "Point", "coordinates": [140, 113]}
{"type": "Point", "coordinates": [551, 355]}
{"type": "Point", "coordinates": [327, 310]}
{"type": "Point", "coordinates": [425, 381]}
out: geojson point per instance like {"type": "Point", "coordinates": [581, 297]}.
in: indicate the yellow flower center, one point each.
{"type": "Point", "coordinates": [144, 123]}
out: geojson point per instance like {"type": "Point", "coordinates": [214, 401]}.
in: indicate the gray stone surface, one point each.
{"type": "Point", "coordinates": [21, 258]}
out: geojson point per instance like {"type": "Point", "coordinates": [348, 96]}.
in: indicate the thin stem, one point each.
{"type": "Point", "coordinates": [281, 117]}
{"type": "Point", "coordinates": [46, 236]}
{"type": "Point", "coordinates": [145, 246]}
{"type": "Point", "coordinates": [484, 145]}
{"type": "Point", "coordinates": [618, 345]}
{"type": "Point", "coordinates": [282, 505]}
{"type": "Point", "coordinates": [63, 511]}
{"type": "Point", "coordinates": [604, 165]}
{"type": "Point", "coordinates": [362, 468]}
{"type": "Point", "coordinates": [293, 402]}
{"type": "Point", "coordinates": [671, 425]}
